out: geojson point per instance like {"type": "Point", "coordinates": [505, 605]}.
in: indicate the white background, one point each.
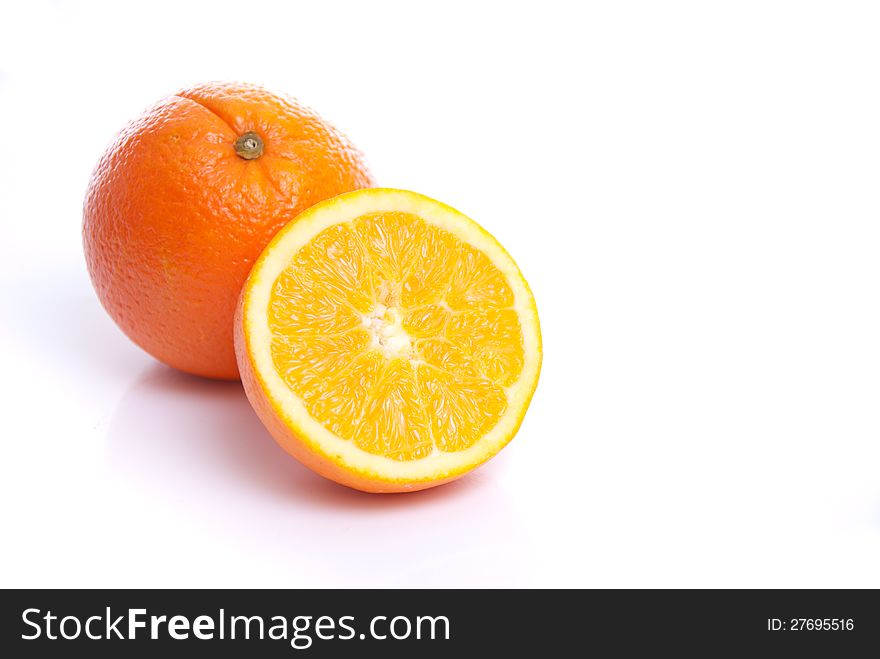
{"type": "Point", "coordinates": [692, 190]}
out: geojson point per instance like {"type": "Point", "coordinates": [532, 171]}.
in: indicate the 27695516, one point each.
{"type": "Point", "coordinates": [810, 624]}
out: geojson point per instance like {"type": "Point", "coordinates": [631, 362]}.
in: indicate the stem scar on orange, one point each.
{"type": "Point", "coordinates": [387, 341]}
{"type": "Point", "coordinates": [182, 203]}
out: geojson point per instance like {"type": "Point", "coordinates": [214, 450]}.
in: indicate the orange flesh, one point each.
{"type": "Point", "coordinates": [396, 335]}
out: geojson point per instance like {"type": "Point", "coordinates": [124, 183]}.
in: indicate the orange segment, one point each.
{"type": "Point", "coordinates": [476, 282]}
{"type": "Point", "coordinates": [431, 272]}
{"type": "Point", "coordinates": [388, 341]}
{"type": "Point", "coordinates": [395, 423]}
{"type": "Point", "coordinates": [426, 321]}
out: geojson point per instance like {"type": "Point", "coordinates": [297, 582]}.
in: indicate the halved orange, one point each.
{"type": "Point", "coordinates": [387, 341]}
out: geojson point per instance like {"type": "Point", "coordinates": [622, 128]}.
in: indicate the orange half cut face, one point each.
{"type": "Point", "coordinates": [387, 341]}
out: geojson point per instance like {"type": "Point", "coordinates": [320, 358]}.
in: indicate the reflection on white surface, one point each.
{"type": "Point", "coordinates": [53, 314]}
{"type": "Point", "coordinates": [196, 446]}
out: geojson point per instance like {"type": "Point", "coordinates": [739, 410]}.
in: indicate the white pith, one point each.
{"type": "Point", "coordinates": [388, 334]}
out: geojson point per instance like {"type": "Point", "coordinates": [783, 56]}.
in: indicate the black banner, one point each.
{"type": "Point", "coordinates": [289, 623]}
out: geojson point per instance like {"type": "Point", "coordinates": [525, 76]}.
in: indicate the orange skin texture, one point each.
{"type": "Point", "coordinates": [296, 446]}
{"type": "Point", "coordinates": [174, 219]}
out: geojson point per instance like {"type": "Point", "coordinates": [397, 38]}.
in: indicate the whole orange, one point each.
{"type": "Point", "coordinates": [185, 199]}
